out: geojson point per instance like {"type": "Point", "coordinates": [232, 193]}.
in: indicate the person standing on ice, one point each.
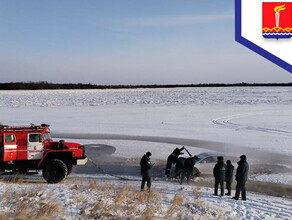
{"type": "Point", "coordinates": [219, 174]}
{"type": "Point", "coordinates": [229, 177]}
{"type": "Point", "coordinates": [145, 170]}
{"type": "Point", "coordinates": [241, 178]}
{"type": "Point", "coordinates": [188, 169]}
{"type": "Point", "coordinates": [172, 159]}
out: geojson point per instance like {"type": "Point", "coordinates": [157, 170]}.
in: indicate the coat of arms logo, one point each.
{"type": "Point", "coordinates": [277, 20]}
{"type": "Point", "coordinates": [265, 27]}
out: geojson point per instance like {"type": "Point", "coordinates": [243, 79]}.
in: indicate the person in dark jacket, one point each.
{"type": "Point", "coordinates": [241, 178]}
{"type": "Point", "coordinates": [172, 158]}
{"type": "Point", "coordinates": [219, 174]}
{"type": "Point", "coordinates": [188, 168]}
{"type": "Point", "coordinates": [179, 166]}
{"type": "Point", "coordinates": [229, 177]}
{"type": "Point", "coordinates": [145, 170]}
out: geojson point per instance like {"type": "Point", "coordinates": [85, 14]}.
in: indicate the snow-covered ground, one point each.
{"type": "Point", "coordinates": [234, 119]}
{"type": "Point", "coordinates": [115, 199]}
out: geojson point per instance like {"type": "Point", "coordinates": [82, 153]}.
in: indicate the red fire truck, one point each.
{"type": "Point", "coordinates": [24, 148]}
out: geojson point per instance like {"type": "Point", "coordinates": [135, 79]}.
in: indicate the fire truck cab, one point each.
{"type": "Point", "coordinates": [24, 148]}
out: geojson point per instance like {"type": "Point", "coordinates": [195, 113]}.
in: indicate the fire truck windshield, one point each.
{"type": "Point", "coordinates": [9, 138]}
{"type": "Point", "coordinates": [47, 137]}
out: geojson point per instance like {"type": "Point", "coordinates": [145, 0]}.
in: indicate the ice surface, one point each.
{"type": "Point", "coordinates": [173, 96]}
{"type": "Point", "coordinates": [242, 117]}
{"type": "Point", "coordinates": [255, 117]}
{"type": "Point", "coordinates": [136, 149]}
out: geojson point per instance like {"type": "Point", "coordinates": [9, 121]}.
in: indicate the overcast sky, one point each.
{"type": "Point", "coordinates": [126, 42]}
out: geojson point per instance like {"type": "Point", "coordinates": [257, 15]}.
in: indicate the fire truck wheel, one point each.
{"type": "Point", "coordinates": [55, 171]}
{"type": "Point", "coordinates": [69, 168]}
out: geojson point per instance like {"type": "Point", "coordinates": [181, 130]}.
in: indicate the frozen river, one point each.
{"type": "Point", "coordinates": [255, 121]}
{"type": "Point", "coordinates": [254, 117]}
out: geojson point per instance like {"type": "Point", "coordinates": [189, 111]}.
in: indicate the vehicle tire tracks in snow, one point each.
{"type": "Point", "coordinates": [226, 121]}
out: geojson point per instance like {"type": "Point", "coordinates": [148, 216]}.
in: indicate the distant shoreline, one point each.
{"type": "Point", "coordinates": [58, 86]}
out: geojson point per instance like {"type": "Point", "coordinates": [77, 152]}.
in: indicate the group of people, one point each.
{"type": "Point", "coordinates": [184, 166]}
{"type": "Point", "coordinates": [222, 172]}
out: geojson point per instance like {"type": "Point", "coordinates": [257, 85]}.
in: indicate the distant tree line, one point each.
{"type": "Point", "coordinates": [46, 85]}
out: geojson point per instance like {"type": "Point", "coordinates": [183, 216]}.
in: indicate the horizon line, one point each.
{"type": "Point", "coordinates": [43, 85]}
